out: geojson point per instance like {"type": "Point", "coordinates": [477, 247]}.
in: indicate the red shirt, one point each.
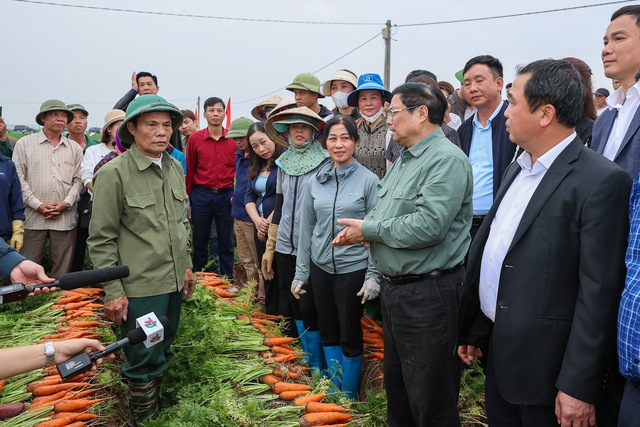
{"type": "Point", "coordinates": [210, 161]}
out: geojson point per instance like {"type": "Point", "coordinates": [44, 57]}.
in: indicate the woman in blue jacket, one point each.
{"type": "Point", "coordinates": [260, 199]}
{"type": "Point", "coordinates": [341, 278]}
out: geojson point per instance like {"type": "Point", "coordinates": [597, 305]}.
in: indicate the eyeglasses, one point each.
{"type": "Point", "coordinates": [392, 113]}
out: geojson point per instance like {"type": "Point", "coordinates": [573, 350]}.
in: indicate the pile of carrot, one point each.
{"type": "Point", "coordinates": [70, 400]}
{"type": "Point", "coordinates": [325, 414]}
{"type": "Point", "coordinates": [372, 337]}
{"type": "Point", "coordinates": [215, 284]}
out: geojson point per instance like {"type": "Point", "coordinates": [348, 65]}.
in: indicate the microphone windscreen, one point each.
{"type": "Point", "coordinates": [165, 321]}
{"type": "Point", "coordinates": [83, 279]}
{"type": "Point", "coordinates": [136, 336]}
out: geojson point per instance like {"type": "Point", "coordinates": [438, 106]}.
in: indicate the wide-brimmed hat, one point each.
{"type": "Point", "coordinates": [239, 128]}
{"type": "Point", "coordinates": [460, 76]}
{"type": "Point", "coordinates": [369, 81]}
{"type": "Point", "coordinates": [147, 104]}
{"type": "Point", "coordinates": [344, 75]}
{"type": "Point", "coordinates": [285, 104]}
{"type": "Point", "coordinates": [74, 107]}
{"type": "Point", "coordinates": [601, 92]}
{"type": "Point", "coordinates": [110, 118]}
{"type": "Point", "coordinates": [259, 111]}
{"type": "Point", "coordinates": [277, 125]}
{"type": "Point", "coordinates": [306, 81]}
{"type": "Point", "coordinates": [53, 105]}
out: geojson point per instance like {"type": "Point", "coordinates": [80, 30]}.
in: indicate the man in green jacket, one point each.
{"type": "Point", "coordinates": [419, 235]}
{"type": "Point", "coordinates": [140, 219]}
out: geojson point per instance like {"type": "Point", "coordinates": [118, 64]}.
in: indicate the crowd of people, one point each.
{"type": "Point", "coordinates": [473, 227]}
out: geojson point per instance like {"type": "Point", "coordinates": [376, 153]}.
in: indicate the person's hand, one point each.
{"type": "Point", "coordinates": [262, 226]}
{"type": "Point", "coordinates": [29, 273]}
{"type": "Point", "coordinates": [351, 234]}
{"type": "Point", "coordinates": [17, 236]}
{"type": "Point", "coordinates": [59, 206]}
{"type": "Point", "coordinates": [296, 288]}
{"type": "Point", "coordinates": [189, 284]}
{"type": "Point", "coordinates": [134, 81]}
{"type": "Point", "coordinates": [469, 353]}
{"type": "Point", "coordinates": [572, 412]}
{"type": "Point", "coordinates": [44, 208]}
{"type": "Point", "coordinates": [370, 290]}
{"type": "Point", "coordinates": [67, 349]}
{"type": "Point", "coordinates": [116, 310]}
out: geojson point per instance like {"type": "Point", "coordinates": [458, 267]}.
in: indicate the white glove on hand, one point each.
{"type": "Point", "coordinates": [370, 289]}
{"type": "Point", "coordinates": [296, 288]}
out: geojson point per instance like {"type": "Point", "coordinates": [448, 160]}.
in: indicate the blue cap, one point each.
{"type": "Point", "coordinates": [369, 81]}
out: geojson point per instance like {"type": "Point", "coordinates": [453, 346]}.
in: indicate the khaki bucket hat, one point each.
{"type": "Point", "coordinates": [277, 125]}
{"type": "Point", "coordinates": [344, 75]}
{"type": "Point", "coordinates": [260, 111]}
{"type": "Point", "coordinates": [306, 81]}
{"type": "Point", "coordinates": [110, 118]}
{"type": "Point", "coordinates": [54, 105]}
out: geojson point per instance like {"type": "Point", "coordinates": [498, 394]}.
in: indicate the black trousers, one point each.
{"type": "Point", "coordinates": [421, 365]}
{"type": "Point", "coordinates": [288, 306]}
{"type": "Point", "coordinates": [271, 288]}
{"type": "Point", "coordinates": [339, 308]}
{"type": "Point", "coordinates": [630, 407]}
{"type": "Point", "coordinates": [82, 234]}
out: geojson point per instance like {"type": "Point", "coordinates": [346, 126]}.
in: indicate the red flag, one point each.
{"type": "Point", "coordinates": [196, 112]}
{"type": "Point", "coordinates": [228, 116]}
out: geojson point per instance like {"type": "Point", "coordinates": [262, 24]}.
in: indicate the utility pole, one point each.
{"type": "Point", "coordinates": [386, 35]}
{"type": "Point", "coordinates": [199, 113]}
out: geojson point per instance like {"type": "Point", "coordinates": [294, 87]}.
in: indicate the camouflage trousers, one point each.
{"type": "Point", "coordinates": [143, 399]}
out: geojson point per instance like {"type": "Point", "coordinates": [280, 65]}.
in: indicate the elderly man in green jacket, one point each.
{"type": "Point", "coordinates": [140, 219]}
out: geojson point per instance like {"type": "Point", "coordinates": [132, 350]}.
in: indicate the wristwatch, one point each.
{"type": "Point", "coordinates": [68, 206]}
{"type": "Point", "coordinates": [50, 352]}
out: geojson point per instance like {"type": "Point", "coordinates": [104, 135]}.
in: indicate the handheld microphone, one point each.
{"type": "Point", "coordinates": [69, 281]}
{"type": "Point", "coordinates": [82, 363]}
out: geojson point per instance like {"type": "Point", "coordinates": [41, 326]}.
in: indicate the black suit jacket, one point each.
{"type": "Point", "coordinates": [560, 282]}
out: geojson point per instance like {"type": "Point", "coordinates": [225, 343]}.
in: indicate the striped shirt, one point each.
{"type": "Point", "coordinates": [629, 313]}
{"type": "Point", "coordinates": [48, 174]}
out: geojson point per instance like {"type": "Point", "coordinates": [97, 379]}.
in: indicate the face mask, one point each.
{"type": "Point", "coordinates": [340, 99]}
{"type": "Point", "coordinates": [372, 118]}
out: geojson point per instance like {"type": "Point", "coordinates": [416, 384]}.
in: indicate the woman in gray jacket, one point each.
{"type": "Point", "coordinates": [340, 278]}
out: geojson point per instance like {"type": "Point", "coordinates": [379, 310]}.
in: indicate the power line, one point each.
{"type": "Point", "coordinates": [187, 15]}
{"type": "Point", "coordinates": [319, 69]}
{"type": "Point", "coordinates": [512, 15]}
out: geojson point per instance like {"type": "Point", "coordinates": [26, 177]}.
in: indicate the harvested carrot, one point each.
{"type": "Point", "coordinates": [282, 386]}
{"type": "Point", "coordinates": [74, 405]}
{"type": "Point", "coordinates": [278, 373]}
{"type": "Point", "coordinates": [2, 384]}
{"type": "Point", "coordinates": [282, 350]}
{"type": "Point", "coordinates": [83, 393]}
{"type": "Point", "coordinates": [85, 324]}
{"type": "Point", "coordinates": [87, 291]}
{"type": "Point", "coordinates": [266, 316]}
{"type": "Point", "coordinates": [66, 300]}
{"type": "Point", "coordinates": [75, 305]}
{"type": "Point", "coordinates": [57, 422]}
{"type": "Point", "coordinates": [303, 400]}
{"type": "Point", "coordinates": [290, 395]}
{"type": "Point", "coordinates": [270, 342]}
{"type": "Point", "coordinates": [375, 355]}
{"type": "Point", "coordinates": [324, 407]}
{"type": "Point", "coordinates": [52, 389]}
{"type": "Point", "coordinates": [280, 359]}
{"type": "Point", "coordinates": [53, 397]}
{"type": "Point", "coordinates": [82, 416]}
{"type": "Point", "coordinates": [225, 294]}
{"type": "Point", "coordinates": [270, 379]}
{"type": "Point", "coordinates": [324, 418]}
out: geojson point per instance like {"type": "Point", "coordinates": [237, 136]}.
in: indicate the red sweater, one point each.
{"type": "Point", "coordinates": [210, 161]}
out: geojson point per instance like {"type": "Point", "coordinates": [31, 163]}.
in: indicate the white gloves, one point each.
{"type": "Point", "coordinates": [296, 288]}
{"type": "Point", "coordinates": [370, 289]}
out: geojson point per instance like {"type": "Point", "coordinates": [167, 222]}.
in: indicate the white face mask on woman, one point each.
{"type": "Point", "coordinates": [340, 99]}
{"type": "Point", "coordinates": [373, 118]}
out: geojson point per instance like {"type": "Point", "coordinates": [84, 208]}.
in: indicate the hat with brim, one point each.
{"type": "Point", "coordinates": [53, 105]}
{"type": "Point", "coordinates": [147, 104]}
{"type": "Point", "coordinates": [602, 92]}
{"type": "Point", "coordinates": [277, 126]}
{"type": "Point", "coordinates": [110, 118]}
{"type": "Point", "coordinates": [460, 76]}
{"type": "Point", "coordinates": [79, 107]}
{"type": "Point", "coordinates": [239, 128]}
{"type": "Point", "coordinates": [306, 81]}
{"type": "Point", "coordinates": [260, 111]}
{"type": "Point", "coordinates": [285, 104]}
{"type": "Point", "coordinates": [342, 75]}
{"type": "Point", "coordinates": [369, 81]}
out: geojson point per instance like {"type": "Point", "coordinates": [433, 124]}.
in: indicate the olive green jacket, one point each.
{"type": "Point", "coordinates": [140, 219]}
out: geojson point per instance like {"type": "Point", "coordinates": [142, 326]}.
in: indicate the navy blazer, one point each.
{"type": "Point", "coordinates": [503, 148]}
{"type": "Point", "coordinates": [628, 156]}
{"type": "Point", "coordinates": [269, 199]}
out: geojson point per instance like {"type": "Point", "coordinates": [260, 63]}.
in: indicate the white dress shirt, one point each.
{"type": "Point", "coordinates": [626, 104]}
{"type": "Point", "coordinates": [507, 219]}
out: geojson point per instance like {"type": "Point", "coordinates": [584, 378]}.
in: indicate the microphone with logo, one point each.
{"type": "Point", "coordinates": [150, 332]}
{"type": "Point", "coordinates": [79, 279]}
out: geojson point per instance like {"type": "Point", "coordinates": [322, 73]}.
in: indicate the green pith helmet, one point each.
{"type": "Point", "coordinates": [239, 128]}
{"type": "Point", "coordinates": [306, 81]}
{"type": "Point", "coordinates": [54, 105]}
{"type": "Point", "coordinates": [147, 104]}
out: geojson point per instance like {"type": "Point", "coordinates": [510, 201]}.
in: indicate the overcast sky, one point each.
{"type": "Point", "coordinates": [86, 56]}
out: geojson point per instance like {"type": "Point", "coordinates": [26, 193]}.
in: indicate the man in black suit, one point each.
{"type": "Point", "coordinates": [546, 269]}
